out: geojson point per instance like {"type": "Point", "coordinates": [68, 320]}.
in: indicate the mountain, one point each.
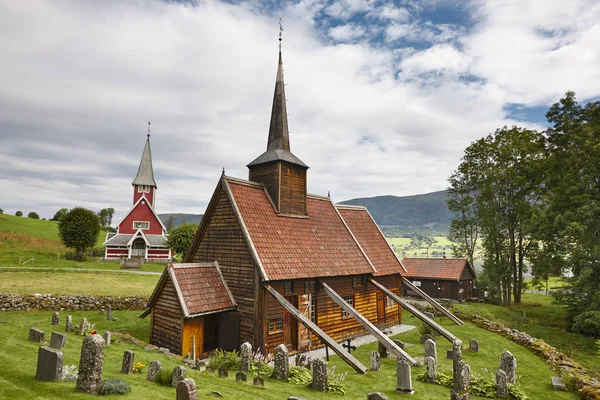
{"type": "Point", "coordinates": [422, 212]}
{"type": "Point", "coordinates": [180, 218]}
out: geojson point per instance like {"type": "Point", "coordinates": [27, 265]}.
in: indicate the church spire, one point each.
{"type": "Point", "coordinates": [279, 137]}
{"type": "Point", "coordinates": [145, 174]}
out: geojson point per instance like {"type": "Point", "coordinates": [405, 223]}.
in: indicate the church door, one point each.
{"type": "Point", "coordinates": [380, 308]}
{"type": "Point", "coordinates": [290, 326]}
{"type": "Point", "coordinates": [304, 304]}
{"type": "Point", "coordinates": [139, 248]}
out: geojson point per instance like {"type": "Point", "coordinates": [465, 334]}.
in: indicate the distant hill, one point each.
{"type": "Point", "coordinates": [422, 212]}
{"type": "Point", "coordinates": [180, 218]}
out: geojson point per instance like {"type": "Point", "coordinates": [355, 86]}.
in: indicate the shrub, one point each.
{"type": "Point", "coordinates": [114, 386]}
{"type": "Point", "coordinates": [138, 367]}
{"type": "Point", "coordinates": [587, 323]}
{"type": "Point", "coordinates": [227, 360]}
{"type": "Point", "coordinates": [33, 215]}
{"type": "Point", "coordinates": [180, 238]}
{"type": "Point", "coordinates": [299, 376]}
{"type": "Point", "coordinates": [19, 214]}
{"type": "Point", "coordinates": [335, 382]}
{"type": "Point", "coordinates": [165, 377]}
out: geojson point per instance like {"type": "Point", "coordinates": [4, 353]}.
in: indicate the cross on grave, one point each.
{"type": "Point", "coordinates": [348, 345]}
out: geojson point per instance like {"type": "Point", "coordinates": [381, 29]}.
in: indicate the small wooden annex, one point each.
{"type": "Point", "coordinates": [192, 304]}
{"type": "Point", "coordinates": [440, 278]}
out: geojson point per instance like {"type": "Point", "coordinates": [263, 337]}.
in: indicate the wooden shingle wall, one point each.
{"type": "Point", "coordinates": [292, 197]}
{"type": "Point", "coordinates": [167, 319]}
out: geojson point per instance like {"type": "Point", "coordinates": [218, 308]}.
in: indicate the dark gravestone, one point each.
{"type": "Point", "coordinates": [377, 396]}
{"type": "Point", "coordinates": [55, 318]}
{"type": "Point", "coordinates": [449, 354]}
{"type": "Point", "coordinates": [382, 350]}
{"type": "Point", "coordinates": [36, 335]}
{"type": "Point", "coordinates": [58, 340]}
{"type": "Point", "coordinates": [186, 390]}
{"type": "Point", "coordinates": [90, 364]}
{"type": "Point", "coordinates": [281, 367]}
{"type": "Point", "coordinates": [399, 343]}
{"type": "Point", "coordinates": [258, 381]}
{"type": "Point", "coordinates": [109, 316]}
{"type": "Point", "coordinates": [474, 345]}
{"type": "Point", "coordinates": [319, 371]}
{"type": "Point", "coordinates": [127, 364]}
{"type": "Point", "coordinates": [49, 364]}
{"type": "Point", "coordinates": [241, 377]}
{"type": "Point", "coordinates": [223, 373]}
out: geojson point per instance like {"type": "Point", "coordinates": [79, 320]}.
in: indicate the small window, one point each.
{"type": "Point", "coordinates": [275, 325]}
{"type": "Point", "coordinates": [349, 300]}
{"type": "Point", "coordinates": [143, 189]}
{"type": "Point", "coordinates": [313, 310]}
{"type": "Point", "coordinates": [357, 280]}
{"type": "Point", "coordinates": [288, 287]}
{"type": "Point", "coordinates": [310, 286]}
{"type": "Point", "coordinates": [390, 302]}
{"type": "Point", "coordinates": [143, 225]}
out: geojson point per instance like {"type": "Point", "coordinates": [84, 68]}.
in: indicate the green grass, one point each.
{"type": "Point", "coordinates": [543, 320]}
{"type": "Point", "coordinates": [554, 282]}
{"type": "Point", "coordinates": [18, 364]}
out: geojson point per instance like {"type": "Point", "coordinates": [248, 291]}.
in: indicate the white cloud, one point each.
{"type": "Point", "coordinates": [441, 58]}
{"type": "Point", "coordinates": [346, 33]}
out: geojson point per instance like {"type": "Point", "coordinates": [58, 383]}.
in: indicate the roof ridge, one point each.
{"type": "Point", "coordinates": [350, 207]}
{"type": "Point", "coordinates": [245, 182]}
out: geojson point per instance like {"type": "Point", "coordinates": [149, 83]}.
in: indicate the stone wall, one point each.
{"type": "Point", "coordinates": [15, 302]}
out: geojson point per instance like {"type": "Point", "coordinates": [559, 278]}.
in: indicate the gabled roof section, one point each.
{"type": "Point", "coordinates": [145, 174]}
{"type": "Point", "coordinates": [296, 248]}
{"type": "Point", "coordinates": [371, 239]}
{"type": "Point", "coordinates": [200, 289]}
{"type": "Point", "coordinates": [278, 145]}
{"type": "Point", "coordinates": [436, 268]}
{"type": "Point", "coordinates": [135, 205]}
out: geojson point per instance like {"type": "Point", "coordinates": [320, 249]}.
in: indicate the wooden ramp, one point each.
{"type": "Point", "coordinates": [431, 301]}
{"type": "Point", "coordinates": [434, 325]}
{"type": "Point", "coordinates": [380, 336]}
{"type": "Point", "coordinates": [339, 350]}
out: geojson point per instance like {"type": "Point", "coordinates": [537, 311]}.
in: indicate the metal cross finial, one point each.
{"type": "Point", "coordinates": [280, 33]}
{"type": "Point", "coordinates": [148, 129]}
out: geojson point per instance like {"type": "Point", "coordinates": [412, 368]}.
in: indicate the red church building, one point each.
{"type": "Point", "coordinates": [141, 235]}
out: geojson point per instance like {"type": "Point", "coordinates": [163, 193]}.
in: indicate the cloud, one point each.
{"type": "Point", "coordinates": [346, 33]}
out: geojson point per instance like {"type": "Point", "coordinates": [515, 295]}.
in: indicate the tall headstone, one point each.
{"type": "Point", "coordinates": [280, 358]}
{"type": "Point", "coordinates": [109, 316]}
{"type": "Point", "coordinates": [186, 390]}
{"type": "Point", "coordinates": [49, 364]}
{"type": "Point", "coordinates": [431, 369]}
{"type": "Point", "coordinates": [107, 338]}
{"type": "Point", "coordinates": [501, 384]}
{"type": "Point", "coordinates": [375, 361]}
{"type": "Point", "coordinates": [37, 335]}
{"type": "Point", "coordinates": [403, 377]}
{"type": "Point", "coordinates": [178, 375]}
{"type": "Point", "coordinates": [127, 365]}
{"type": "Point", "coordinates": [58, 340]}
{"type": "Point", "coordinates": [474, 345]}
{"type": "Point", "coordinates": [154, 370]}
{"type": "Point", "coordinates": [83, 326]}
{"type": "Point", "coordinates": [460, 390]}
{"type": "Point", "coordinates": [69, 323]}
{"type": "Point", "coordinates": [55, 318]}
{"type": "Point", "coordinates": [456, 359]}
{"type": "Point", "coordinates": [431, 349]}
{"type": "Point", "coordinates": [382, 350]}
{"type": "Point", "coordinates": [508, 364]}
{"type": "Point", "coordinates": [319, 370]}
{"type": "Point", "coordinates": [90, 364]}
{"type": "Point", "coordinates": [246, 356]}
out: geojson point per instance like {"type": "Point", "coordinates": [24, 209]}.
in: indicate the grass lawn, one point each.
{"type": "Point", "coordinates": [18, 364]}
{"type": "Point", "coordinates": [540, 318]}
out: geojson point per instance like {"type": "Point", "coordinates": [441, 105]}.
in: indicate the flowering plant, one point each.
{"type": "Point", "coordinates": [138, 367]}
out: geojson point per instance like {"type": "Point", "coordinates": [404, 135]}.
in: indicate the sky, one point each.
{"type": "Point", "coordinates": [383, 96]}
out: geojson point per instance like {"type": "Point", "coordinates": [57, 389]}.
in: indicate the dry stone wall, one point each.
{"type": "Point", "coordinates": [16, 302]}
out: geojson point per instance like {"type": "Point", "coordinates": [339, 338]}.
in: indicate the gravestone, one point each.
{"type": "Point", "coordinates": [449, 354]}
{"type": "Point", "coordinates": [557, 383]}
{"type": "Point", "coordinates": [460, 390]}
{"type": "Point", "coordinates": [431, 369]}
{"type": "Point", "coordinates": [382, 350]}
{"type": "Point", "coordinates": [109, 313]}
{"type": "Point", "coordinates": [304, 360]}
{"type": "Point", "coordinates": [49, 364]}
{"type": "Point", "coordinates": [501, 384]}
{"type": "Point", "coordinates": [241, 377]}
{"type": "Point", "coordinates": [69, 323]}
{"type": "Point", "coordinates": [258, 381]}
{"type": "Point", "coordinates": [178, 375]}
{"type": "Point", "coordinates": [399, 343]}
{"type": "Point", "coordinates": [246, 356]}
{"type": "Point", "coordinates": [90, 364]}
{"type": "Point", "coordinates": [319, 370]}
{"type": "Point", "coordinates": [55, 318]}
{"type": "Point", "coordinates": [154, 370]}
{"type": "Point", "coordinates": [83, 326]}
{"type": "Point", "coordinates": [377, 396]}
{"type": "Point", "coordinates": [508, 364]}
{"type": "Point", "coordinates": [186, 390]}
{"type": "Point", "coordinates": [58, 340]}
{"type": "Point", "coordinates": [474, 345]}
{"type": "Point", "coordinates": [456, 359]}
{"type": "Point", "coordinates": [281, 367]}
{"type": "Point", "coordinates": [37, 335]}
{"type": "Point", "coordinates": [431, 350]}
{"type": "Point", "coordinates": [127, 364]}
{"type": "Point", "coordinates": [375, 361]}
{"type": "Point", "coordinates": [223, 373]}
{"type": "Point", "coordinates": [429, 315]}
{"type": "Point", "coordinates": [107, 338]}
{"type": "Point", "coordinates": [403, 377]}
{"type": "Point", "coordinates": [425, 337]}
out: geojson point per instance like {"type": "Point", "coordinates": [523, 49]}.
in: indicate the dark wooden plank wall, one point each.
{"type": "Point", "coordinates": [224, 242]}
{"type": "Point", "coordinates": [167, 319]}
{"type": "Point", "coordinates": [267, 174]}
{"type": "Point", "coordinates": [329, 314]}
{"type": "Point", "coordinates": [293, 190]}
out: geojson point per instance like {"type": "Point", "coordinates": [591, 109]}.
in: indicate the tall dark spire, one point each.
{"type": "Point", "coordinates": [279, 137]}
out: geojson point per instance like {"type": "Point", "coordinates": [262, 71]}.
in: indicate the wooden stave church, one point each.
{"type": "Point", "coordinates": [291, 261]}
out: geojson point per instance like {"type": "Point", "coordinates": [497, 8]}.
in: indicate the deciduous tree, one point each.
{"type": "Point", "coordinates": [60, 214]}
{"type": "Point", "coordinates": [180, 238]}
{"type": "Point", "coordinates": [33, 215]}
{"type": "Point", "coordinates": [79, 230]}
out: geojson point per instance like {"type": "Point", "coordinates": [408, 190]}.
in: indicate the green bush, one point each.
{"type": "Point", "coordinates": [299, 376]}
{"type": "Point", "coordinates": [261, 369]}
{"type": "Point", "coordinates": [587, 323]}
{"type": "Point", "coordinates": [227, 360]}
{"type": "Point", "coordinates": [114, 386]}
{"type": "Point", "coordinates": [480, 387]}
{"type": "Point", "coordinates": [165, 377]}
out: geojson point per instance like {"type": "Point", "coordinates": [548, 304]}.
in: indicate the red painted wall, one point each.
{"type": "Point", "coordinates": [142, 212]}
{"type": "Point", "coordinates": [149, 196]}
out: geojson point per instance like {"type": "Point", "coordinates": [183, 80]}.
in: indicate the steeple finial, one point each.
{"type": "Point", "coordinates": [280, 34]}
{"type": "Point", "coordinates": [148, 129]}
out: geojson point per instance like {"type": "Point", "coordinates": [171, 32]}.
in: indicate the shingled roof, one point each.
{"type": "Point", "coordinates": [319, 245]}
{"type": "Point", "coordinates": [436, 268]}
{"type": "Point", "coordinates": [200, 289]}
{"type": "Point", "coordinates": [371, 240]}
{"type": "Point", "coordinates": [145, 174]}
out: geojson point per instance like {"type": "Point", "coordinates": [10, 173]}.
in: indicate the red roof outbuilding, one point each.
{"type": "Point", "coordinates": [436, 268]}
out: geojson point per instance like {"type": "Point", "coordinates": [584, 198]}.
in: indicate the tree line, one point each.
{"type": "Point", "coordinates": [532, 198]}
